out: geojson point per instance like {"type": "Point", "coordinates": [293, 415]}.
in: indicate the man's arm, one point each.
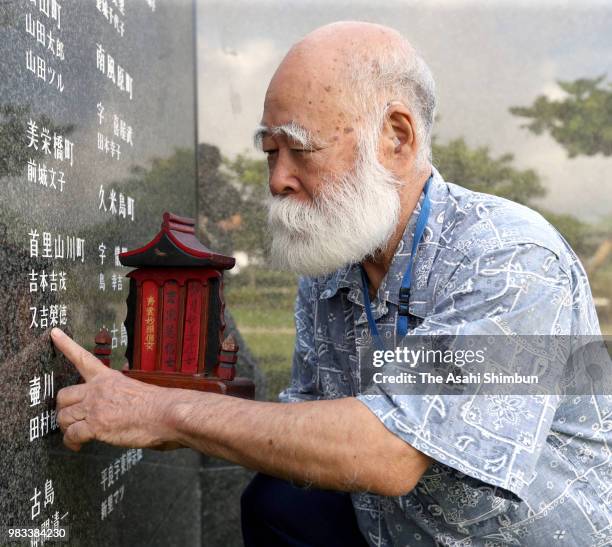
{"type": "Point", "coordinates": [338, 444]}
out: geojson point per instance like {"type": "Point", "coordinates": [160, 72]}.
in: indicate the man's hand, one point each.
{"type": "Point", "coordinates": [108, 407]}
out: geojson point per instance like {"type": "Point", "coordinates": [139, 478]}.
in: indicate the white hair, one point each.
{"type": "Point", "coordinates": [393, 74]}
{"type": "Point", "coordinates": [292, 130]}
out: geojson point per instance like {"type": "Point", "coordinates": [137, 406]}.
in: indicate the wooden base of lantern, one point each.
{"type": "Point", "coordinates": [231, 385]}
{"type": "Point", "coordinates": [238, 387]}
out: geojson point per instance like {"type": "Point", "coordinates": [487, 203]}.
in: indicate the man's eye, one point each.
{"type": "Point", "coordinates": [270, 152]}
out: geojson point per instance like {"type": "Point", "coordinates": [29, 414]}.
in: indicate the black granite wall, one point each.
{"type": "Point", "coordinates": [97, 140]}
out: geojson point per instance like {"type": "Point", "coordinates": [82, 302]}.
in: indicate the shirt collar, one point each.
{"type": "Point", "coordinates": [350, 277]}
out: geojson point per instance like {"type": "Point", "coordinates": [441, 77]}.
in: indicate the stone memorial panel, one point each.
{"type": "Point", "coordinates": [97, 140]}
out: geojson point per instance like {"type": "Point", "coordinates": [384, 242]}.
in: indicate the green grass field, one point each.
{"type": "Point", "coordinates": [263, 312]}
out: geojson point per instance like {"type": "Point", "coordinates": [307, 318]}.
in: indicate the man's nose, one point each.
{"type": "Point", "coordinates": [283, 177]}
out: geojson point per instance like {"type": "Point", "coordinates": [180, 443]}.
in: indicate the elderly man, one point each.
{"type": "Point", "coordinates": [388, 250]}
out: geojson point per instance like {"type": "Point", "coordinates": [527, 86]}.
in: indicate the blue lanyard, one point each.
{"type": "Point", "coordinates": [404, 292]}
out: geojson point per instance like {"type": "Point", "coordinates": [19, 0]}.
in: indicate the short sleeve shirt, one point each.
{"type": "Point", "coordinates": [507, 469]}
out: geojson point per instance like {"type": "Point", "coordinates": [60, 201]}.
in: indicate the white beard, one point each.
{"type": "Point", "coordinates": [352, 217]}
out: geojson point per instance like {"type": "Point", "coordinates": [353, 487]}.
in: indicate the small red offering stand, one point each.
{"type": "Point", "coordinates": [175, 321]}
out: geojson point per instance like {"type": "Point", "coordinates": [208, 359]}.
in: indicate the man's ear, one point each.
{"type": "Point", "coordinates": [402, 130]}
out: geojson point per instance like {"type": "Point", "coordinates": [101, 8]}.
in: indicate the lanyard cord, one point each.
{"type": "Point", "coordinates": [368, 309]}
{"type": "Point", "coordinates": [404, 292]}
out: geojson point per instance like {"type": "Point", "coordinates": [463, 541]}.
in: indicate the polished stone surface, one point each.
{"type": "Point", "coordinates": [87, 168]}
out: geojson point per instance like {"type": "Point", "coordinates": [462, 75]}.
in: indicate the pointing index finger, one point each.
{"type": "Point", "coordinates": [87, 365]}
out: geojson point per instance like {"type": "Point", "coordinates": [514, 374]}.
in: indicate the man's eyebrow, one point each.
{"type": "Point", "coordinates": [292, 130]}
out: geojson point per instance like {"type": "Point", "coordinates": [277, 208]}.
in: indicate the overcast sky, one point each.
{"type": "Point", "coordinates": [484, 60]}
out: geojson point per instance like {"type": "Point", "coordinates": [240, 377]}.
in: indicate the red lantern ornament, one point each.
{"type": "Point", "coordinates": [175, 320]}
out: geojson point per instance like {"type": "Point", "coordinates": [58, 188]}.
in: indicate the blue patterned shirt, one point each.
{"type": "Point", "coordinates": [507, 470]}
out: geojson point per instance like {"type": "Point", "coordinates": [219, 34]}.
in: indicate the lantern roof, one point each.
{"type": "Point", "coordinates": [176, 245]}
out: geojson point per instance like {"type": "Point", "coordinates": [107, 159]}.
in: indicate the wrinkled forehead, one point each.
{"type": "Point", "coordinates": [316, 99]}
